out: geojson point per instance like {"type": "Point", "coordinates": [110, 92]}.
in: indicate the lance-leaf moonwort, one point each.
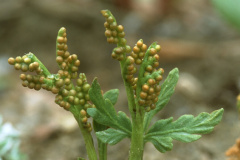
{"type": "Point", "coordinates": [145, 95]}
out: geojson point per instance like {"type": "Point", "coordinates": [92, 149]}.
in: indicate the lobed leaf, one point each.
{"type": "Point", "coordinates": [111, 136]}
{"type": "Point", "coordinates": [162, 144]}
{"type": "Point", "coordinates": [112, 95]}
{"type": "Point", "coordinates": [184, 129]}
{"type": "Point", "coordinates": [105, 114]}
{"type": "Point", "coordinates": [167, 90]}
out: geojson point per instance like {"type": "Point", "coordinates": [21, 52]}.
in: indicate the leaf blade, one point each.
{"type": "Point", "coordinates": [162, 144]}
{"type": "Point", "coordinates": [105, 114]}
{"type": "Point", "coordinates": [185, 129]}
{"type": "Point", "coordinates": [111, 136]}
{"type": "Point", "coordinates": [112, 95]}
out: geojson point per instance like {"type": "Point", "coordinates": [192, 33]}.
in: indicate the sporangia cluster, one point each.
{"type": "Point", "coordinates": [147, 58]}
{"type": "Point", "coordinates": [61, 84]}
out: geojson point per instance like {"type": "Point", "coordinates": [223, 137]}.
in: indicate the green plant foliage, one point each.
{"type": "Point", "coordinates": [112, 95]}
{"type": "Point", "coordinates": [230, 10]}
{"type": "Point", "coordinates": [145, 95]}
{"type": "Point", "coordinates": [111, 136]}
{"type": "Point", "coordinates": [184, 129]}
{"type": "Point", "coordinates": [71, 96]}
{"type": "Point", "coordinates": [105, 114]}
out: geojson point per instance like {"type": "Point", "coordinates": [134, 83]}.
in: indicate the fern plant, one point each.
{"type": "Point", "coordinates": [145, 96]}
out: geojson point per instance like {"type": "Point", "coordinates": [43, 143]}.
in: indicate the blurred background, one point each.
{"type": "Point", "coordinates": [195, 36]}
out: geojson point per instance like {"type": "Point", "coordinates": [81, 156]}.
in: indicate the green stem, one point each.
{"type": "Point", "coordinates": [129, 91]}
{"type": "Point", "coordinates": [137, 143]}
{"type": "Point", "coordinates": [35, 59]}
{"type": "Point", "coordinates": [102, 150]}
{"type": "Point", "coordinates": [102, 147]}
{"type": "Point", "coordinates": [137, 113]}
{"type": "Point", "coordinates": [137, 139]}
{"type": "Point", "coordinates": [91, 152]}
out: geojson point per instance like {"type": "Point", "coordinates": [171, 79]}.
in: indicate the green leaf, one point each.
{"type": "Point", "coordinates": [102, 147]}
{"type": "Point", "coordinates": [112, 95]}
{"type": "Point", "coordinates": [162, 144]}
{"type": "Point", "coordinates": [98, 127]}
{"type": "Point", "coordinates": [124, 120]}
{"type": "Point", "coordinates": [184, 129]}
{"type": "Point", "coordinates": [106, 117]}
{"type": "Point", "coordinates": [111, 136]}
{"type": "Point", "coordinates": [230, 10]}
{"type": "Point", "coordinates": [105, 114]}
{"type": "Point", "coordinates": [167, 90]}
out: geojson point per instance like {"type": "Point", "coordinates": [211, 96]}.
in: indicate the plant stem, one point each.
{"type": "Point", "coordinates": [102, 147]}
{"type": "Point", "coordinates": [137, 114]}
{"type": "Point", "coordinates": [91, 152]}
{"type": "Point", "coordinates": [102, 150]}
{"type": "Point", "coordinates": [136, 149]}
{"type": "Point", "coordinates": [35, 59]}
{"type": "Point", "coordinates": [129, 91]}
